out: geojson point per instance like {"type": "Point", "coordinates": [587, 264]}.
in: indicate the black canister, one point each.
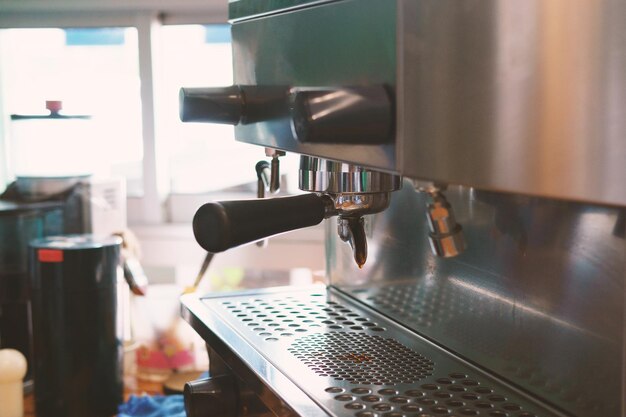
{"type": "Point", "coordinates": [19, 224]}
{"type": "Point", "coordinates": [77, 343]}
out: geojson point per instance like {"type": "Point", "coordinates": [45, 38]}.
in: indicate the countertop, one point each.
{"type": "Point", "coordinates": [132, 385]}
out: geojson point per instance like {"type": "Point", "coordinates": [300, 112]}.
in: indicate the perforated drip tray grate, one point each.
{"type": "Point", "coordinates": [361, 359]}
{"type": "Point", "coordinates": [352, 361]}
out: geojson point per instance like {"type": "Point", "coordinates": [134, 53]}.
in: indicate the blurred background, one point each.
{"type": "Point", "coordinates": [123, 65]}
{"type": "Point", "coordinates": [112, 71]}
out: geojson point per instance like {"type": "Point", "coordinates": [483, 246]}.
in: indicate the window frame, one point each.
{"type": "Point", "coordinates": [153, 206]}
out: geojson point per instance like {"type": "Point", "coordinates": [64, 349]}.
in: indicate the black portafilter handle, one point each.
{"type": "Point", "coordinates": [222, 225]}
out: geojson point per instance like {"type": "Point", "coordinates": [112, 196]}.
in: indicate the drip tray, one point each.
{"type": "Point", "coordinates": [346, 359]}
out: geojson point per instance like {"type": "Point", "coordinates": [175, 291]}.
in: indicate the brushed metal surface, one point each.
{"type": "Point", "coordinates": [537, 297]}
{"type": "Point", "coordinates": [522, 96]}
{"type": "Point", "coordinates": [519, 96]}
{"type": "Point", "coordinates": [255, 369]}
{"type": "Point", "coordinates": [526, 96]}
{"type": "Point", "coordinates": [347, 359]}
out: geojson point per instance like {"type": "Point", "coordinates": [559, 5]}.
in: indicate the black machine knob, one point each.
{"type": "Point", "coordinates": [215, 396]}
{"type": "Point", "coordinates": [212, 105]}
{"type": "Point", "coordinates": [219, 226]}
{"type": "Point", "coordinates": [359, 115]}
{"type": "Point", "coordinates": [232, 105]}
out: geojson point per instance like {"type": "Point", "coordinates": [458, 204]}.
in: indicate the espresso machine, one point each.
{"type": "Point", "coordinates": [468, 161]}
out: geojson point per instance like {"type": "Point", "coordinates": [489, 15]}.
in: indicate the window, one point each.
{"type": "Point", "coordinates": [93, 71]}
{"type": "Point", "coordinates": [203, 157]}
{"type": "Point", "coordinates": [125, 71]}
{"type": "Point", "coordinates": [123, 63]}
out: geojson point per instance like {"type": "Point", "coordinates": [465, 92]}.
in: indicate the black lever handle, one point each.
{"type": "Point", "coordinates": [219, 226]}
{"type": "Point", "coordinates": [214, 105]}
{"type": "Point", "coordinates": [233, 105]}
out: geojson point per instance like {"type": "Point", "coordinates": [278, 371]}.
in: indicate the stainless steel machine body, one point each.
{"type": "Point", "coordinates": [519, 107]}
{"type": "Point", "coordinates": [518, 96]}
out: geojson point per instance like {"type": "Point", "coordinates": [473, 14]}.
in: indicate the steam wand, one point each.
{"type": "Point", "coordinates": [274, 183]}
{"type": "Point", "coordinates": [446, 236]}
{"type": "Point", "coordinates": [268, 179]}
{"type": "Point", "coordinates": [263, 174]}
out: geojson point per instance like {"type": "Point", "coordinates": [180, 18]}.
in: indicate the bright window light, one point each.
{"type": "Point", "coordinates": [203, 157]}
{"type": "Point", "coordinates": [93, 72]}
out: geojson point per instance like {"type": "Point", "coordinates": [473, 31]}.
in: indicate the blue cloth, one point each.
{"type": "Point", "coordinates": [153, 406]}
